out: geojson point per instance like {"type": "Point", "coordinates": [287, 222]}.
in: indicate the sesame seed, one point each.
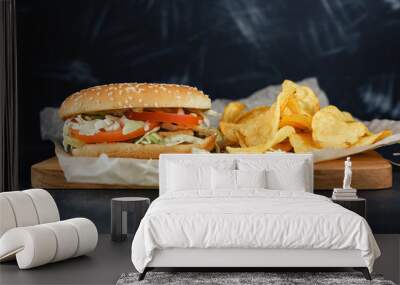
{"type": "Point", "coordinates": [140, 100]}
{"type": "Point", "coordinates": [109, 94]}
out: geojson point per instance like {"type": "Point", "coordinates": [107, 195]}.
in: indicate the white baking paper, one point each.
{"type": "Point", "coordinates": [374, 126]}
{"type": "Point", "coordinates": [107, 170]}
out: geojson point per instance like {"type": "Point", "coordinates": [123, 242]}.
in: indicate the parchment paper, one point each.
{"type": "Point", "coordinates": [142, 172]}
{"type": "Point", "coordinates": [106, 170]}
{"type": "Point", "coordinates": [374, 126]}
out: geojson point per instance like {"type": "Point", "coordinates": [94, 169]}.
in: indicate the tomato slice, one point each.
{"type": "Point", "coordinates": [162, 117]}
{"type": "Point", "coordinates": [112, 136]}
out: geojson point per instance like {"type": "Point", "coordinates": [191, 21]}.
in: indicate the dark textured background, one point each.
{"type": "Point", "coordinates": [227, 48]}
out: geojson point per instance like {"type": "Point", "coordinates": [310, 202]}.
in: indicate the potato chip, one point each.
{"type": "Point", "coordinates": [343, 116]}
{"type": "Point", "coordinates": [285, 98]}
{"type": "Point", "coordinates": [250, 115]}
{"type": "Point", "coordinates": [228, 130]}
{"type": "Point", "coordinates": [296, 109]}
{"type": "Point", "coordinates": [331, 130]}
{"type": "Point", "coordinates": [308, 101]}
{"type": "Point", "coordinates": [289, 86]}
{"type": "Point", "coordinates": [283, 146]}
{"type": "Point", "coordinates": [293, 107]}
{"type": "Point", "coordinates": [302, 99]}
{"type": "Point", "coordinates": [264, 127]}
{"type": "Point", "coordinates": [373, 138]}
{"type": "Point", "coordinates": [348, 117]}
{"type": "Point", "coordinates": [302, 142]}
{"type": "Point", "coordinates": [260, 128]}
{"type": "Point", "coordinates": [302, 122]}
{"type": "Point", "coordinates": [232, 112]}
{"type": "Point", "coordinates": [241, 138]}
{"type": "Point", "coordinates": [282, 134]}
{"type": "Point", "coordinates": [279, 137]}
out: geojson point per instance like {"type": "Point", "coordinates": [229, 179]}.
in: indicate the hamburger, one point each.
{"type": "Point", "coordinates": [137, 120]}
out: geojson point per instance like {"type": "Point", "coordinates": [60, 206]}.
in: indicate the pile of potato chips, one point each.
{"type": "Point", "coordinates": [295, 122]}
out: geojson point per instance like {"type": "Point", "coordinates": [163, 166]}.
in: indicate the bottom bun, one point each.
{"type": "Point", "coordinates": [139, 150]}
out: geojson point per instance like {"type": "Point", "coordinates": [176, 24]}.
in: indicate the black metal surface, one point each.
{"type": "Point", "coordinates": [8, 97]}
{"type": "Point", "coordinates": [143, 274]}
{"type": "Point", "coordinates": [364, 271]}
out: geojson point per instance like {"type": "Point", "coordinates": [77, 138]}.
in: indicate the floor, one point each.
{"type": "Point", "coordinates": [104, 266]}
{"type": "Point", "coordinates": [389, 263]}
{"type": "Point", "coordinates": [111, 259]}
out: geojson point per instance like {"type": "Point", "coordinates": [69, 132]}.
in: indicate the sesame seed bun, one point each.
{"type": "Point", "coordinates": [133, 95]}
{"type": "Point", "coordinates": [149, 151]}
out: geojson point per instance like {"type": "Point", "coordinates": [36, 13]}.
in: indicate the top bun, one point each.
{"type": "Point", "coordinates": [133, 95]}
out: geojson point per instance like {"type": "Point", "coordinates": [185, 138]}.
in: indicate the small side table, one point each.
{"type": "Point", "coordinates": [119, 215]}
{"type": "Point", "coordinates": [358, 206]}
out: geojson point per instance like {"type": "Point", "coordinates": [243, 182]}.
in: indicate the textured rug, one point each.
{"type": "Point", "coordinates": [233, 278]}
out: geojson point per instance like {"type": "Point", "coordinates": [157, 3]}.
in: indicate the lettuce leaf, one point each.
{"type": "Point", "coordinates": [131, 126]}
{"type": "Point", "coordinates": [178, 139]}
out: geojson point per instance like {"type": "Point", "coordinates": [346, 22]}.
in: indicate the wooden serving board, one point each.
{"type": "Point", "coordinates": [370, 171]}
{"type": "Point", "coordinates": [49, 175]}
